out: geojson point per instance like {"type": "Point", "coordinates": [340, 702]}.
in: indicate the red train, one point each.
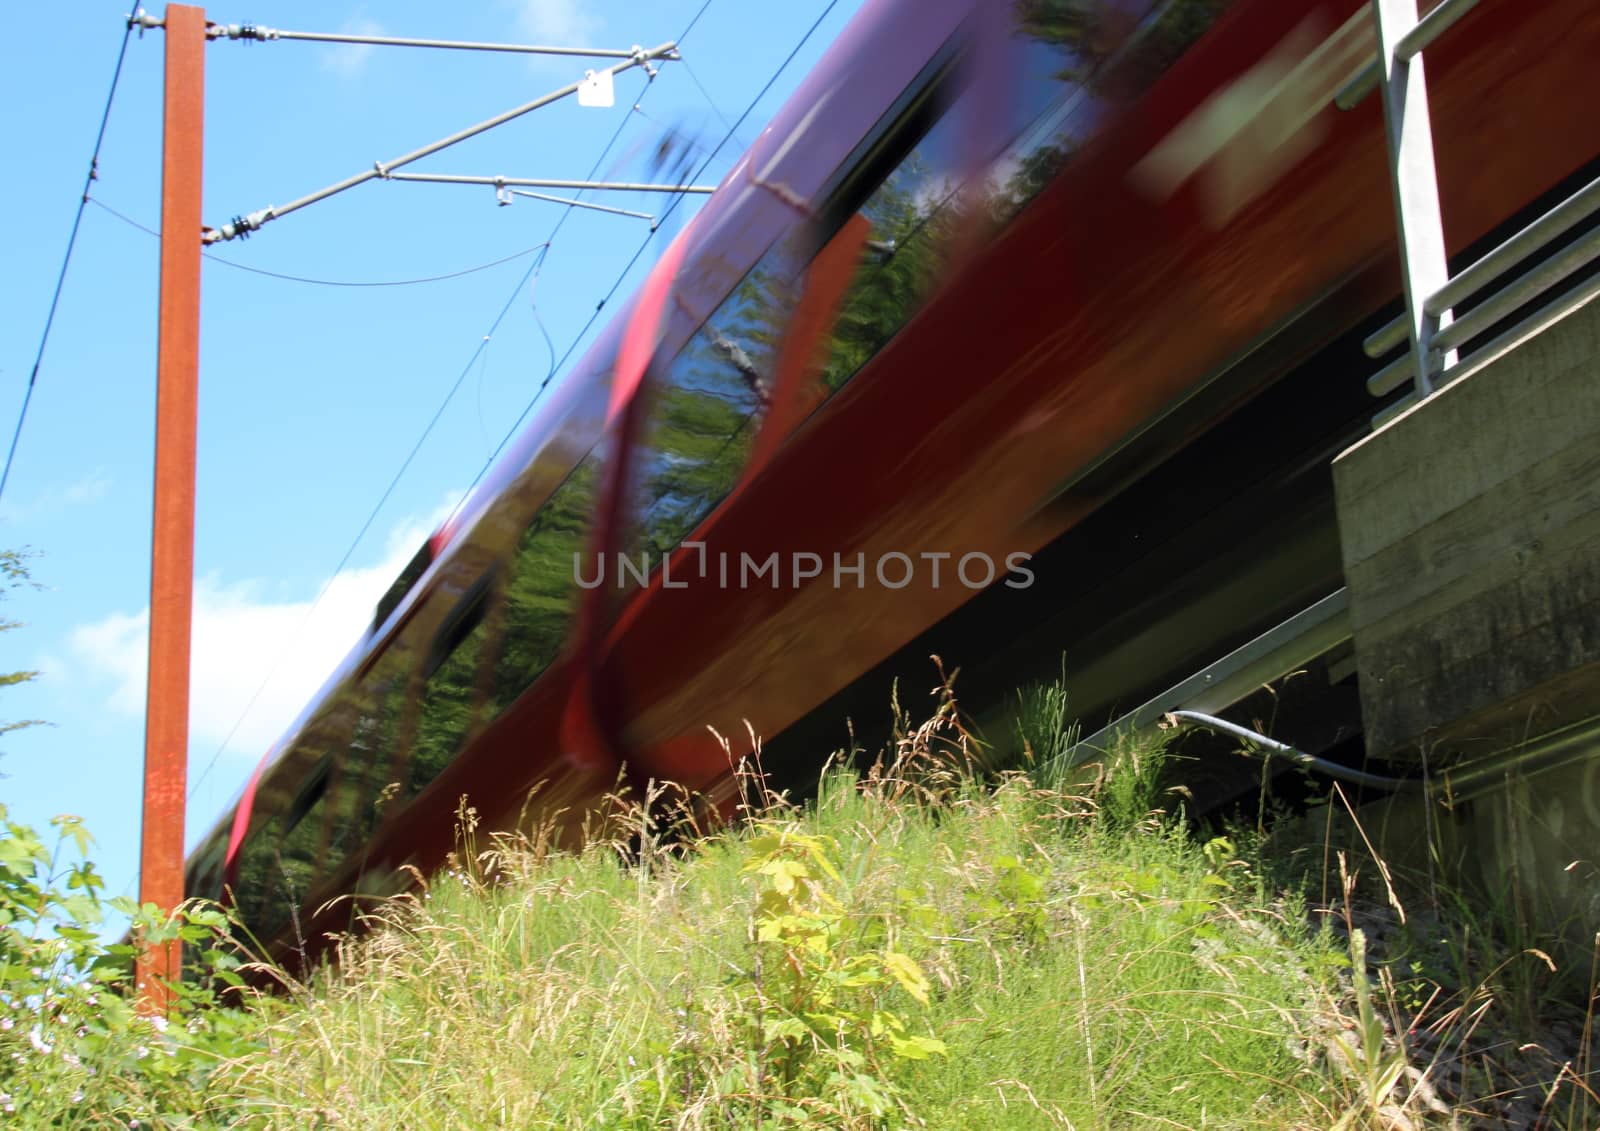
{"type": "Point", "coordinates": [980, 252]}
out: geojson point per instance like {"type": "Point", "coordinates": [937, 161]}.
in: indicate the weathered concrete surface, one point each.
{"type": "Point", "coordinates": [1470, 531]}
{"type": "Point", "coordinates": [1521, 849]}
{"type": "Point", "coordinates": [1536, 850]}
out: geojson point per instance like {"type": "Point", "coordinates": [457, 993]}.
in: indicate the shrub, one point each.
{"type": "Point", "coordinates": [75, 1051]}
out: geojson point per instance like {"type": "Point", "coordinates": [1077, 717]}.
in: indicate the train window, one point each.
{"type": "Point", "coordinates": [704, 417]}
{"type": "Point", "coordinates": [911, 219]}
{"type": "Point", "coordinates": [255, 883]}
{"type": "Point", "coordinates": [206, 881]}
{"type": "Point", "coordinates": [450, 690]}
{"type": "Point", "coordinates": [1079, 58]}
{"type": "Point", "coordinates": [335, 812]}
{"type": "Point", "coordinates": [1076, 57]}
{"type": "Point", "coordinates": [409, 576]}
{"type": "Point", "coordinates": [540, 586]}
{"type": "Point", "coordinates": [278, 862]}
{"type": "Point", "coordinates": [1156, 43]}
{"type": "Point", "coordinates": [346, 784]}
{"type": "Point", "coordinates": [362, 785]}
{"type": "Point", "coordinates": [300, 862]}
{"type": "Point", "coordinates": [904, 182]}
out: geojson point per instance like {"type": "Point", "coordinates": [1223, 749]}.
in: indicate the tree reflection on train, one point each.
{"type": "Point", "coordinates": [415, 709]}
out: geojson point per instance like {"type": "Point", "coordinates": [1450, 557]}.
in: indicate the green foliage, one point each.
{"type": "Point", "coordinates": [1045, 729]}
{"type": "Point", "coordinates": [13, 575]}
{"type": "Point", "coordinates": [1014, 906]}
{"type": "Point", "coordinates": [915, 949]}
{"type": "Point", "coordinates": [1131, 786]}
{"type": "Point", "coordinates": [1376, 1063]}
{"type": "Point", "coordinates": [821, 1004]}
{"type": "Point", "coordinates": [74, 1050]}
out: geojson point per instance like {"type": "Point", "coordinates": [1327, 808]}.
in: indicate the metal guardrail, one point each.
{"type": "Point", "coordinates": [1432, 294]}
{"type": "Point", "coordinates": [1287, 647]}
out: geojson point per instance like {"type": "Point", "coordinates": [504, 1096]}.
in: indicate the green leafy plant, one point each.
{"type": "Point", "coordinates": [1015, 904]}
{"type": "Point", "coordinates": [1376, 1063]}
{"type": "Point", "coordinates": [74, 1048]}
{"type": "Point", "coordinates": [13, 575]}
{"type": "Point", "coordinates": [823, 1013]}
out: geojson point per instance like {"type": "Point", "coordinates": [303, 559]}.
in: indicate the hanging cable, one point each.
{"type": "Point", "coordinates": [66, 260]}
{"type": "Point", "coordinates": [1272, 748]}
{"type": "Point", "coordinates": [98, 203]}
{"type": "Point", "coordinates": [616, 285]}
{"type": "Point", "coordinates": [372, 516]}
{"type": "Point", "coordinates": [555, 367]}
{"type": "Point", "coordinates": [711, 102]}
{"type": "Point", "coordinates": [693, 20]}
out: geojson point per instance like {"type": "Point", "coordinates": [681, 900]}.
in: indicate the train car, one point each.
{"type": "Point", "coordinates": [988, 264]}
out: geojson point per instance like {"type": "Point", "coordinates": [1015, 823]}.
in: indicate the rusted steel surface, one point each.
{"type": "Point", "coordinates": [172, 549]}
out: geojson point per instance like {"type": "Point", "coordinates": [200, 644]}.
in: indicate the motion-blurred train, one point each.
{"type": "Point", "coordinates": [990, 265]}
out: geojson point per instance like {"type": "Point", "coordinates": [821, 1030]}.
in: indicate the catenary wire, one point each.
{"type": "Point", "coordinates": [616, 285]}
{"type": "Point", "coordinates": [98, 203]}
{"type": "Point", "coordinates": [531, 273]}
{"type": "Point", "coordinates": [66, 259]}
{"type": "Point", "coordinates": [394, 481]}
{"type": "Point", "coordinates": [711, 102]}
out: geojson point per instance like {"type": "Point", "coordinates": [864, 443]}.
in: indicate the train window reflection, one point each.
{"type": "Point", "coordinates": [450, 694]}
{"type": "Point", "coordinates": [704, 418]}
{"type": "Point", "coordinates": [909, 228]}
{"type": "Point", "coordinates": [540, 585]}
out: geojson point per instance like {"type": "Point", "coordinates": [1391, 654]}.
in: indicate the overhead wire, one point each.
{"type": "Point", "coordinates": [149, 231]}
{"type": "Point", "coordinates": [711, 102]}
{"type": "Point", "coordinates": [616, 285]}
{"type": "Point", "coordinates": [557, 363]}
{"type": "Point", "coordinates": [66, 259]}
{"type": "Point", "coordinates": [394, 481]}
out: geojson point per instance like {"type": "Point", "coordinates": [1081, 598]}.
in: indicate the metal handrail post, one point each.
{"type": "Point", "coordinates": [1414, 179]}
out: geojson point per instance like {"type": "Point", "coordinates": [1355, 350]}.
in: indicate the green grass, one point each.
{"type": "Point", "coordinates": [913, 949]}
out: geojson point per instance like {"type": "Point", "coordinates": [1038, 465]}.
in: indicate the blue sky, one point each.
{"type": "Point", "coordinates": [311, 396]}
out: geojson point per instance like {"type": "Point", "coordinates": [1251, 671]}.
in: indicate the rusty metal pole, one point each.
{"type": "Point", "coordinates": [166, 737]}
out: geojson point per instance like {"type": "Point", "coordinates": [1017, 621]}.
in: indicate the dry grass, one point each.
{"type": "Point", "coordinates": [1076, 972]}
{"type": "Point", "coordinates": [913, 948]}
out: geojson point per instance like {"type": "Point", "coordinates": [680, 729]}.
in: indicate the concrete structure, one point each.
{"type": "Point", "coordinates": [1471, 541]}
{"type": "Point", "coordinates": [1470, 529]}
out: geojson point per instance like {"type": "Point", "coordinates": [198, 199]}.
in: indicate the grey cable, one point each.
{"type": "Point", "coordinates": [1274, 748]}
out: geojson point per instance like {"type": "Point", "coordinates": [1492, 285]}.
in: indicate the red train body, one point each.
{"type": "Point", "coordinates": [965, 264]}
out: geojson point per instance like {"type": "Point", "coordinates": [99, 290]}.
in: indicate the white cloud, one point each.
{"type": "Point", "coordinates": [241, 637]}
{"type": "Point", "coordinates": [555, 23]}
{"type": "Point", "coordinates": [87, 489]}
{"type": "Point", "coordinates": [347, 60]}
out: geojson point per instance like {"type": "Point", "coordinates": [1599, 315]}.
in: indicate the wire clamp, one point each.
{"type": "Point", "coordinates": [247, 32]}
{"type": "Point", "coordinates": [238, 228]}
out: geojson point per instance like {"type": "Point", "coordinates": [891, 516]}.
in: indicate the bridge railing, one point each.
{"type": "Point", "coordinates": [1432, 294]}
